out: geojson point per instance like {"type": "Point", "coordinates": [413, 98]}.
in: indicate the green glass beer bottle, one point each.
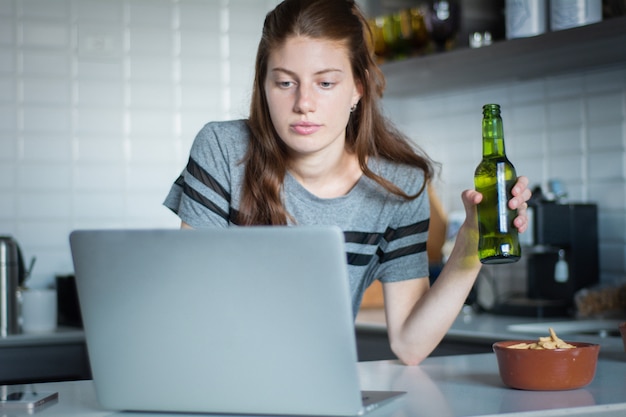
{"type": "Point", "coordinates": [495, 176]}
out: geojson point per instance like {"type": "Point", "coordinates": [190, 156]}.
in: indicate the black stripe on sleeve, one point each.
{"type": "Point", "coordinates": [363, 238]}
{"type": "Point", "coordinates": [200, 199]}
{"type": "Point", "coordinates": [180, 181]}
{"type": "Point", "coordinates": [358, 259]}
{"type": "Point", "coordinates": [207, 179]}
{"type": "Point", "coordinates": [398, 253]}
{"type": "Point", "coordinates": [210, 182]}
{"type": "Point", "coordinates": [373, 239]}
{"type": "Point", "coordinates": [404, 231]}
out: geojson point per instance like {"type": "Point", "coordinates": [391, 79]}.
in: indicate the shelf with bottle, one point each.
{"type": "Point", "coordinates": [566, 51]}
{"type": "Point", "coordinates": [415, 31]}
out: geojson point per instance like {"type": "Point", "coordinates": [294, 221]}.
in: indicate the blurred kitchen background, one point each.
{"type": "Point", "coordinates": [100, 102]}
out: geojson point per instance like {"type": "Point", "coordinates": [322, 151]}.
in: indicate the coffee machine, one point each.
{"type": "Point", "coordinates": [559, 257]}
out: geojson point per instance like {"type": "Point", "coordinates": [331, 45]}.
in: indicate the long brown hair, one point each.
{"type": "Point", "coordinates": [368, 133]}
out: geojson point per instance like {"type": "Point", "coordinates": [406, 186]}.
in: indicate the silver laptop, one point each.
{"type": "Point", "coordinates": [245, 320]}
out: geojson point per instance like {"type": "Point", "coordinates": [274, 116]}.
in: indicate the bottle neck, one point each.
{"type": "Point", "coordinates": [493, 136]}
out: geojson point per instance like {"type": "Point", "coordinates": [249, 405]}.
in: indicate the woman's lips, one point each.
{"type": "Point", "coordinates": [305, 128]}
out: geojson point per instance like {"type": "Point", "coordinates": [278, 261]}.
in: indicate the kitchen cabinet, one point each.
{"type": "Point", "coordinates": [57, 356]}
{"type": "Point", "coordinates": [373, 345]}
{"type": "Point", "coordinates": [372, 340]}
{"type": "Point", "coordinates": [567, 51]}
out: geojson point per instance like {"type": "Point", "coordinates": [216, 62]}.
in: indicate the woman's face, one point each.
{"type": "Point", "coordinates": [310, 90]}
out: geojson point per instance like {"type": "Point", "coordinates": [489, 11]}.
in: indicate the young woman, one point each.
{"type": "Point", "coordinates": [317, 150]}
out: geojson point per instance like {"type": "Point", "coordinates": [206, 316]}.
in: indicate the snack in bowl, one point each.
{"type": "Point", "coordinates": [547, 364]}
{"type": "Point", "coordinates": [550, 342]}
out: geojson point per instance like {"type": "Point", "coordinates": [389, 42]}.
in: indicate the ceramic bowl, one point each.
{"type": "Point", "coordinates": [622, 330]}
{"type": "Point", "coordinates": [546, 370]}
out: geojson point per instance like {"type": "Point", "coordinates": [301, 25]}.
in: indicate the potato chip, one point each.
{"type": "Point", "coordinates": [548, 342]}
{"type": "Point", "coordinates": [519, 346]}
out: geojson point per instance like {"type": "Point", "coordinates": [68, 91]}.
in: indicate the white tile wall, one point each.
{"type": "Point", "coordinates": [100, 101]}
{"type": "Point", "coordinates": [571, 127]}
{"type": "Point", "coordinates": [99, 104]}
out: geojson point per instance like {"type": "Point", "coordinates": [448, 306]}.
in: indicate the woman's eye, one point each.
{"type": "Point", "coordinates": [326, 84]}
{"type": "Point", "coordinates": [284, 84]}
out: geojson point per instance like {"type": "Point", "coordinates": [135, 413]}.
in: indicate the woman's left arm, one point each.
{"type": "Point", "coordinates": [418, 317]}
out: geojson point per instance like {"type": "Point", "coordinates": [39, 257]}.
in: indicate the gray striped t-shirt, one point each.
{"type": "Point", "coordinates": [385, 234]}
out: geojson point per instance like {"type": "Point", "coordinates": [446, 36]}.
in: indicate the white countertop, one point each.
{"type": "Point", "coordinates": [446, 386]}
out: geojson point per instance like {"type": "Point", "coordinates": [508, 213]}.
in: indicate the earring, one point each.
{"type": "Point", "coordinates": [353, 108]}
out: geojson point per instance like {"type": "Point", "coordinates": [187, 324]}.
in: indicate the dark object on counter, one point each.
{"type": "Point", "coordinates": [67, 302]}
{"type": "Point", "coordinates": [28, 401]}
{"type": "Point", "coordinates": [572, 229]}
{"type": "Point", "coordinates": [12, 275]}
{"type": "Point", "coordinates": [546, 369]}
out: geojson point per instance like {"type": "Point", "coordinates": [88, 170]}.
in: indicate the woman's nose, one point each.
{"type": "Point", "coordinates": [305, 102]}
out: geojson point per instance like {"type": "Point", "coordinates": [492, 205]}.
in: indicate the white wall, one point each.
{"type": "Point", "coordinates": [99, 103]}
{"type": "Point", "coordinates": [100, 100]}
